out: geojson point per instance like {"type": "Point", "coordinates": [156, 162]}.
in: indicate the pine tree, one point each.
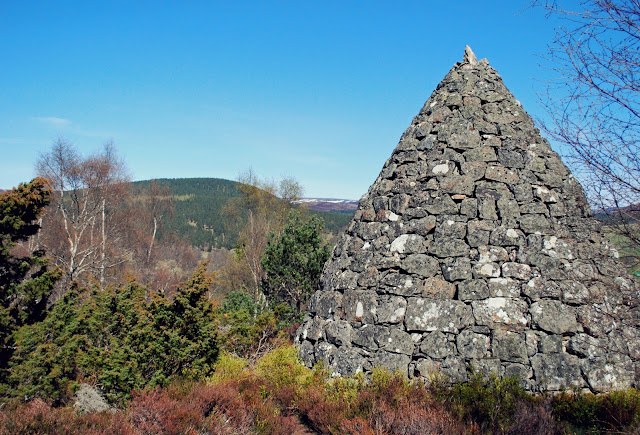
{"type": "Point", "coordinates": [294, 261]}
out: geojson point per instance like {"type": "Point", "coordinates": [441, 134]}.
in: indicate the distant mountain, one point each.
{"type": "Point", "coordinates": [330, 204]}
{"type": "Point", "coordinates": [199, 216]}
{"type": "Point", "coordinates": [613, 214]}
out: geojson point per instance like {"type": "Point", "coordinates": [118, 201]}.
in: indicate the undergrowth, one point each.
{"type": "Point", "coordinates": [278, 395]}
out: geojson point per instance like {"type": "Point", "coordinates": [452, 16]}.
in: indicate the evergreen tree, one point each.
{"type": "Point", "coordinates": [294, 260]}
{"type": "Point", "coordinates": [25, 281]}
{"type": "Point", "coordinates": [120, 338]}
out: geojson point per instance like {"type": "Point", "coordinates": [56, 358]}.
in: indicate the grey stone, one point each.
{"type": "Point", "coordinates": [325, 353]}
{"type": "Point", "coordinates": [532, 340]}
{"type": "Point", "coordinates": [472, 289]}
{"type": "Point", "coordinates": [368, 336]}
{"type": "Point", "coordinates": [501, 174]}
{"type": "Point", "coordinates": [454, 369]}
{"type": "Point", "coordinates": [325, 304]}
{"type": "Point", "coordinates": [492, 254]}
{"type": "Point", "coordinates": [510, 158]}
{"type": "Point", "coordinates": [550, 344]}
{"type": "Point", "coordinates": [457, 269]}
{"type": "Point", "coordinates": [509, 346]}
{"type": "Point", "coordinates": [608, 374]}
{"type": "Point", "coordinates": [398, 341]}
{"type": "Point", "coordinates": [486, 366]}
{"type": "Point", "coordinates": [478, 233]}
{"type": "Point", "coordinates": [504, 287]}
{"type": "Point", "coordinates": [495, 312]}
{"type": "Point", "coordinates": [307, 353]}
{"type": "Point", "coordinates": [313, 330]}
{"type": "Point", "coordinates": [516, 270]}
{"type": "Point", "coordinates": [347, 361]}
{"type": "Point", "coordinates": [469, 207]}
{"type": "Point", "coordinates": [473, 169]}
{"type": "Point", "coordinates": [426, 368]}
{"type": "Point", "coordinates": [486, 270]}
{"type": "Point", "coordinates": [360, 306]}
{"type": "Point", "coordinates": [421, 264]}
{"type": "Point", "coordinates": [586, 346]}
{"type": "Point", "coordinates": [393, 362]}
{"type": "Point", "coordinates": [408, 244]}
{"type": "Point", "coordinates": [472, 345]}
{"type": "Point", "coordinates": [553, 316]}
{"type": "Point", "coordinates": [339, 333]}
{"type": "Point", "coordinates": [422, 226]}
{"type": "Point", "coordinates": [391, 310]}
{"type": "Point", "coordinates": [521, 372]}
{"type": "Point", "coordinates": [442, 204]}
{"type": "Point", "coordinates": [533, 223]}
{"type": "Point", "coordinates": [437, 315]}
{"type": "Point", "coordinates": [503, 236]}
{"type": "Point", "coordinates": [557, 371]}
{"type": "Point", "coordinates": [436, 345]}
{"type": "Point", "coordinates": [481, 154]}
{"type": "Point", "coordinates": [450, 229]}
{"type": "Point", "coordinates": [538, 288]}
{"type": "Point", "coordinates": [449, 248]}
{"type": "Point", "coordinates": [89, 399]}
{"type": "Point", "coordinates": [487, 209]}
{"type": "Point", "coordinates": [400, 284]}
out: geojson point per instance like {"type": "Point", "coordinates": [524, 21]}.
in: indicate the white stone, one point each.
{"type": "Point", "coordinates": [440, 169]}
{"type": "Point", "coordinates": [399, 243]}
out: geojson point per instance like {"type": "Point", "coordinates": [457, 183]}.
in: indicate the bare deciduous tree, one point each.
{"type": "Point", "coordinates": [594, 102]}
{"type": "Point", "coordinates": [81, 229]}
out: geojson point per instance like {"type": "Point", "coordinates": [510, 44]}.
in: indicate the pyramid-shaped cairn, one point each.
{"type": "Point", "coordinates": [475, 247]}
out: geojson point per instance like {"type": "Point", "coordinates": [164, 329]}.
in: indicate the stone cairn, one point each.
{"type": "Point", "coordinates": [475, 249]}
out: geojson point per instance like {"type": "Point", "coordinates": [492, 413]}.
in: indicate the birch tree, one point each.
{"type": "Point", "coordinates": [80, 228]}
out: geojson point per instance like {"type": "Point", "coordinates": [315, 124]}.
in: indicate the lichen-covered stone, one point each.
{"type": "Point", "coordinates": [436, 345]}
{"type": "Point", "coordinates": [437, 315]}
{"type": "Point", "coordinates": [500, 311]}
{"type": "Point", "coordinates": [509, 346]}
{"type": "Point", "coordinates": [475, 247]}
{"type": "Point", "coordinates": [557, 371]}
{"type": "Point", "coordinates": [554, 316]}
{"type": "Point", "coordinates": [472, 345]}
{"type": "Point", "coordinates": [391, 310]}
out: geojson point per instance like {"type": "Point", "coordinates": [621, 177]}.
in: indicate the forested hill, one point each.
{"type": "Point", "coordinates": [199, 217]}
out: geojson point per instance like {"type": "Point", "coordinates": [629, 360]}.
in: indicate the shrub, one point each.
{"type": "Point", "coordinates": [615, 411]}
{"type": "Point", "coordinates": [118, 338]}
{"type": "Point", "coordinates": [489, 401]}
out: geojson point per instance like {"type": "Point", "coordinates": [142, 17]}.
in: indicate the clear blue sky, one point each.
{"type": "Point", "coordinates": [320, 91]}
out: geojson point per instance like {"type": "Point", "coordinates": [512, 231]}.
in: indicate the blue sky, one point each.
{"type": "Point", "coordinates": [320, 91]}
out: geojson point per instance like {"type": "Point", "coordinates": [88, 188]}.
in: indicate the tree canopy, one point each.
{"type": "Point", "coordinates": [25, 280]}
{"type": "Point", "coordinates": [293, 261]}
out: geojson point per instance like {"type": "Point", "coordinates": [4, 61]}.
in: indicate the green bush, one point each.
{"type": "Point", "coordinates": [488, 401]}
{"type": "Point", "coordinates": [617, 411]}
{"type": "Point", "coordinates": [120, 338]}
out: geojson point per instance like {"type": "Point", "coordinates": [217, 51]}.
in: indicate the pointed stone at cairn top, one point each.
{"type": "Point", "coordinates": [469, 56]}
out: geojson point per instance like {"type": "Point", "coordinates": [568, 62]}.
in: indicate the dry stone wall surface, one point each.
{"type": "Point", "coordinates": [475, 247]}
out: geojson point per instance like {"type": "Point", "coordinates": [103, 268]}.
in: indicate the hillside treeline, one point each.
{"type": "Point", "coordinates": [202, 215]}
